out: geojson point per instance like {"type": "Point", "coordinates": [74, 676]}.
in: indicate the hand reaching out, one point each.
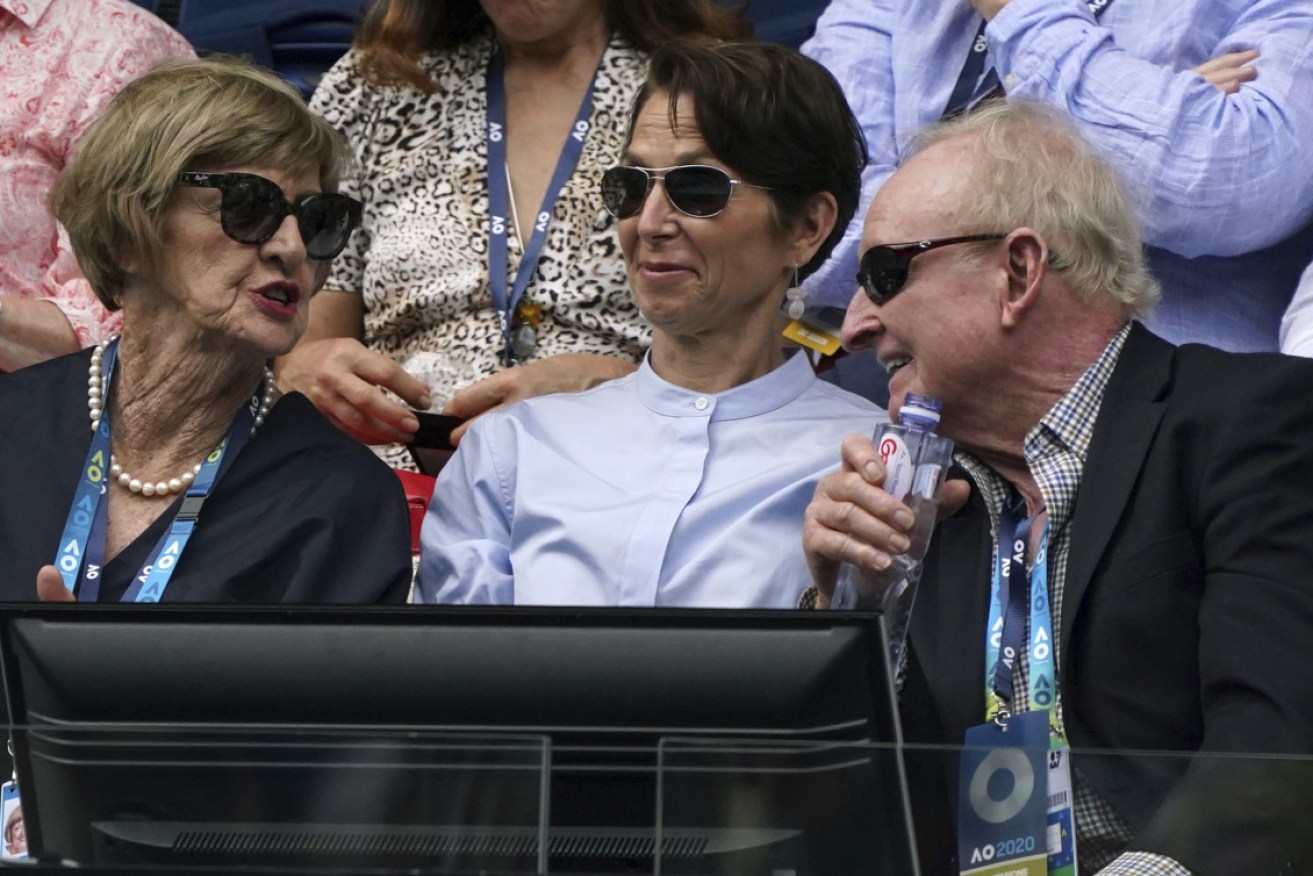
{"type": "Point", "coordinates": [568, 372]}
{"type": "Point", "coordinates": [1226, 72]}
{"type": "Point", "coordinates": [345, 380]}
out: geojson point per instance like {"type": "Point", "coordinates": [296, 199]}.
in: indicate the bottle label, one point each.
{"type": "Point", "coordinates": [897, 459]}
{"type": "Point", "coordinates": [927, 480]}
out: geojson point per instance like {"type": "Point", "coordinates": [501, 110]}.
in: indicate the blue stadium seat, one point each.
{"type": "Point", "coordinates": [167, 10]}
{"type": "Point", "coordinates": [788, 22]}
{"type": "Point", "coordinates": [301, 39]}
{"type": "Point", "coordinates": [298, 39]}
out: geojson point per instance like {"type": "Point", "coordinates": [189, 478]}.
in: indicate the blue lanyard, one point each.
{"type": "Point", "coordinates": [499, 197]}
{"type": "Point", "coordinates": [82, 545]}
{"type": "Point", "coordinates": [1016, 594]}
{"type": "Point", "coordinates": [970, 87]}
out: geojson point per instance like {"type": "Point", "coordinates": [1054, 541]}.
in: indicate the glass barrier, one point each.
{"type": "Point", "coordinates": [140, 797]}
{"type": "Point", "coordinates": [788, 808]}
{"type": "Point", "coordinates": [782, 807]}
{"type": "Point", "coordinates": [253, 799]}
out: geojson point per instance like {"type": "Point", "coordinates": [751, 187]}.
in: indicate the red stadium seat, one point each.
{"type": "Point", "coordinates": [419, 489]}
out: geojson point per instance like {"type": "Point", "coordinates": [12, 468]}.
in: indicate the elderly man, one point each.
{"type": "Point", "coordinates": [1170, 490]}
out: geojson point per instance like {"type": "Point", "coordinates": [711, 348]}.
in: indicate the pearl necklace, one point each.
{"type": "Point", "coordinates": [96, 406]}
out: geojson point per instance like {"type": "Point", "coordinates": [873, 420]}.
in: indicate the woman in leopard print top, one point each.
{"type": "Point", "coordinates": [411, 98]}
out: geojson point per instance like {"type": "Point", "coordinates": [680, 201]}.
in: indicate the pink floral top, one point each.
{"type": "Point", "coordinates": [60, 63]}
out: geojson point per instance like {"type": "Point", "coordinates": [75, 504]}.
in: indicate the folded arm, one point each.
{"type": "Point", "coordinates": [33, 331]}
{"type": "Point", "coordinates": [1217, 173]}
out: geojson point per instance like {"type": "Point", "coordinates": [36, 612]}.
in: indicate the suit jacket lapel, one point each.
{"type": "Point", "coordinates": [1128, 419]}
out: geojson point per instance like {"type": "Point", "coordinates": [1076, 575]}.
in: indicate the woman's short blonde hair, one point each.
{"type": "Point", "coordinates": [209, 114]}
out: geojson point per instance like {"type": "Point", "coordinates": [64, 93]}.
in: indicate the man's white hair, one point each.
{"type": "Point", "coordinates": [1033, 169]}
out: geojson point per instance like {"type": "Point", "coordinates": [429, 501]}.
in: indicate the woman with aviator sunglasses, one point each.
{"type": "Point", "coordinates": [162, 465]}
{"type": "Point", "coordinates": [685, 483]}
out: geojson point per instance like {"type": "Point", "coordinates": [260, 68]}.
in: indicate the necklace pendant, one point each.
{"type": "Point", "coordinates": [527, 313]}
{"type": "Point", "coordinates": [524, 340]}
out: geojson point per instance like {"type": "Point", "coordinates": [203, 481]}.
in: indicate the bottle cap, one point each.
{"type": "Point", "coordinates": [920, 411]}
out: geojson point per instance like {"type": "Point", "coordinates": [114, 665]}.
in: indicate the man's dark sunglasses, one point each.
{"type": "Point", "coordinates": [692, 189]}
{"type": "Point", "coordinates": [883, 269]}
{"type": "Point", "coordinates": [253, 207]}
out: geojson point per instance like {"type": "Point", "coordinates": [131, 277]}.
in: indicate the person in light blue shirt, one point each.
{"type": "Point", "coordinates": [685, 483]}
{"type": "Point", "coordinates": [1297, 324]}
{"type": "Point", "coordinates": [1223, 175]}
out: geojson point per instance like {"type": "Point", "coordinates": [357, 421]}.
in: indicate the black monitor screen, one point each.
{"type": "Point", "coordinates": [455, 740]}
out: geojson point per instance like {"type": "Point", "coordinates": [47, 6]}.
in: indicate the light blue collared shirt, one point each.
{"type": "Point", "coordinates": [639, 493]}
{"type": "Point", "coordinates": [1223, 183]}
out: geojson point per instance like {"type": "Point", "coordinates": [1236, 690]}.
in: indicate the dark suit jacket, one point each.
{"type": "Point", "coordinates": [1187, 616]}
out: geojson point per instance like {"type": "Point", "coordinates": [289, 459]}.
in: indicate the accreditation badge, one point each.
{"type": "Point", "coordinates": [816, 328]}
{"type": "Point", "coordinates": [11, 816]}
{"type": "Point", "coordinates": [812, 336]}
{"type": "Point", "coordinates": [1061, 818]}
{"type": "Point", "coordinates": [1003, 798]}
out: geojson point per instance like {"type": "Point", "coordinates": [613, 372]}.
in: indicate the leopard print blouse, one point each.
{"type": "Point", "coordinates": [420, 258]}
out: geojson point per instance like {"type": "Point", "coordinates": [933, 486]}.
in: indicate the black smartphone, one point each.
{"type": "Point", "coordinates": [431, 447]}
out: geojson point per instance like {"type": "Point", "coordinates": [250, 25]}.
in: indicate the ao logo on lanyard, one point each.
{"type": "Point", "coordinates": [1015, 812]}
{"type": "Point", "coordinates": [506, 298]}
{"type": "Point", "coordinates": [82, 544]}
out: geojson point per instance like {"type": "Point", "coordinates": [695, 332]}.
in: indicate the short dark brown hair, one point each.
{"type": "Point", "coordinates": [774, 116]}
{"type": "Point", "coordinates": [394, 34]}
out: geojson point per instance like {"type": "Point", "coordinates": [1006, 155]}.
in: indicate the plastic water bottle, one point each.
{"type": "Point", "coordinates": [915, 461]}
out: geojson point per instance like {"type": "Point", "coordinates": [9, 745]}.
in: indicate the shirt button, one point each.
{"type": "Point", "coordinates": [1009, 82]}
{"type": "Point", "coordinates": [701, 404]}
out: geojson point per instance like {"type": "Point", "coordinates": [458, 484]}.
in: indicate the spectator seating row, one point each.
{"type": "Point", "coordinates": [787, 22]}
{"type": "Point", "coordinates": [301, 39]}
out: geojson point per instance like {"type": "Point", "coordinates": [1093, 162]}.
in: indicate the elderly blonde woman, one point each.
{"type": "Point", "coordinates": [161, 465]}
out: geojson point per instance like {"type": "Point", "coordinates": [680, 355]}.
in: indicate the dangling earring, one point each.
{"type": "Point", "coordinates": [796, 296]}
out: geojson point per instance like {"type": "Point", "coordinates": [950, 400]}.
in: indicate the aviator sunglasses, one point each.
{"type": "Point", "coordinates": [883, 269]}
{"type": "Point", "coordinates": [692, 189]}
{"type": "Point", "coordinates": [253, 207]}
